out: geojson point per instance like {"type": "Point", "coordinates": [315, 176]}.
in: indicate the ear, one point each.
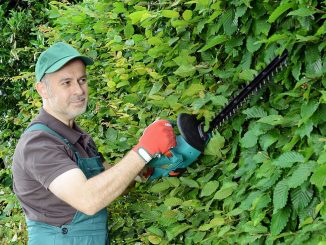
{"type": "Point", "coordinates": [42, 90]}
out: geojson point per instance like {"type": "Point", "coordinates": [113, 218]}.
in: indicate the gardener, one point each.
{"type": "Point", "coordinates": [58, 175]}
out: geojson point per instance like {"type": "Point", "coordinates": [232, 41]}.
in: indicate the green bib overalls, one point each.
{"type": "Point", "coordinates": [84, 229]}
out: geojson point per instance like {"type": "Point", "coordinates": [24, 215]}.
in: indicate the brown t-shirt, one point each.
{"type": "Point", "coordinates": [39, 158]}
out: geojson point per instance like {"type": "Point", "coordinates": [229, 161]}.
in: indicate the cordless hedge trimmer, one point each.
{"type": "Point", "coordinates": [193, 139]}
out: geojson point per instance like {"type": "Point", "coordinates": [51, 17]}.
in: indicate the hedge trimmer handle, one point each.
{"type": "Point", "coordinates": [181, 157]}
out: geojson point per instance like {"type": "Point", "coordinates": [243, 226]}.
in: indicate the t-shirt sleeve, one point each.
{"type": "Point", "coordinates": [46, 157]}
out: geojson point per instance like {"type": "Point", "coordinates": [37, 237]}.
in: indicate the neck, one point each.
{"type": "Point", "coordinates": [68, 122]}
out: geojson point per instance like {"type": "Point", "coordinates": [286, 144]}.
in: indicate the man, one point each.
{"type": "Point", "coordinates": [58, 176]}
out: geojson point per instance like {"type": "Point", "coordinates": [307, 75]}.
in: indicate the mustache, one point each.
{"type": "Point", "coordinates": [78, 98]}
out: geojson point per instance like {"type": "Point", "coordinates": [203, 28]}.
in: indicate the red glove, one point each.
{"type": "Point", "coordinates": [158, 138]}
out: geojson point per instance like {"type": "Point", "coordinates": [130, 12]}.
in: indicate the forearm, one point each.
{"type": "Point", "coordinates": [104, 188]}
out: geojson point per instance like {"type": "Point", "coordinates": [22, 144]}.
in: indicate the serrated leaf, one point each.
{"type": "Point", "coordinates": [252, 44]}
{"type": "Point", "coordinates": [308, 109]}
{"type": "Point", "coordinates": [267, 140]}
{"type": "Point", "coordinates": [319, 177]}
{"type": "Point", "coordinates": [175, 230]}
{"type": "Point", "coordinates": [250, 228]}
{"type": "Point", "coordinates": [260, 157]}
{"type": "Point", "coordinates": [301, 174]}
{"type": "Point", "coordinates": [159, 187]}
{"type": "Point", "coordinates": [215, 40]}
{"type": "Point", "coordinates": [280, 195]}
{"type": "Point", "coordinates": [226, 190]}
{"type": "Point", "coordinates": [279, 221]}
{"type": "Point", "coordinates": [302, 12]}
{"type": "Point", "coordinates": [255, 112]}
{"type": "Point", "coordinates": [305, 129]}
{"type": "Point", "coordinates": [155, 230]}
{"type": "Point", "coordinates": [209, 188]}
{"type": "Point", "coordinates": [271, 119]}
{"type": "Point", "coordinates": [215, 145]}
{"type": "Point", "coordinates": [247, 74]}
{"type": "Point", "coordinates": [189, 182]}
{"type": "Point", "coordinates": [287, 159]}
{"type": "Point", "coordinates": [278, 11]}
{"type": "Point", "coordinates": [300, 198]}
{"type": "Point", "coordinates": [194, 89]}
{"type": "Point", "coordinates": [173, 201]}
{"type": "Point", "coordinates": [249, 139]}
{"type": "Point", "coordinates": [175, 182]}
{"type": "Point", "coordinates": [219, 100]}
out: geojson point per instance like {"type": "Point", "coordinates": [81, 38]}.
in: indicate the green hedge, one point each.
{"type": "Point", "coordinates": [265, 184]}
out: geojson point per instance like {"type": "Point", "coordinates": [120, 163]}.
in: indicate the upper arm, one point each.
{"type": "Point", "coordinates": [69, 188]}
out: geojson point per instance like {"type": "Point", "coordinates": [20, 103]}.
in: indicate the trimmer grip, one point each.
{"type": "Point", "coordinates": [182, 156]}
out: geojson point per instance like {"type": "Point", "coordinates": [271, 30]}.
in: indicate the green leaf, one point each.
{"type": "Point", "coordinates": [279, 221]}
{"type": "Point", "coordinates": [226, 190]}
{"type": "Point", "coordinates": [280, 195]}
{"type": "Point", "coordinates": [189, 182]}
{"type": "Point", "coordinates": [308, 109]}
{"type": "Point", "coordinates": [287, 159]}
{"type": "Point", "coordinates": [154, 239]}
{"type": "Point", "coordinates": [300, 198]}
{"type": "Point", "coordinates": [249, 139]}
{"type": "Point", "coordinates": [209, 188]}
{"type": "Point", "coordinates": [301, 174]}
{"type": "Point", "coordinates": [305, 129]}
{"type": "Point", "coordinates": [139, 16]}
{"type": "Point", "coordinates": [215, 40]}
{"type": "Point", "coordinates": [186, 70]}
{"type": "Point", "coordinates": [218, 221]}
{"type": "Point", "coordinates": [252, 44]}
{"type": "Point", "coordinates": [267, 140]}
{"type": "Point", "coordinates": [247, 74]}
{"type": "Point", "coordinates": [253, 229]}
{"type": "Point", "coordinates": [170, 13]}
{"type": "Point", "coordinates": [155, 230]}
{"type": "Point", "coordinates": [173, 201]}
{"type": "Point", "coordinates": [302, 12]}
{"type": "Point", "coordinates": [191, 203]}
{"type": "Point", "coordinates": [175, 230]}
{"type": "Point", "coordinates": [187, 14]}
{"type": "Point", "coordinates": [255, 112]}
{"type": "Point", "coordinates": [215, 145]}
{"type": "Point", "coordinates": [159, 187]}
{"type": "Point", "coordinates": [319, 177]}
{"type": "Point", "coordinates": [279, 11]}
{"type": "Point", "coordinates": [194, 89]}
{"type": "Point", "coordinates": [272, 120]}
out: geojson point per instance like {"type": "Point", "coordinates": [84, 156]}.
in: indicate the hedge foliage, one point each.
{"type": "Point", "coordinates": [155, 59]}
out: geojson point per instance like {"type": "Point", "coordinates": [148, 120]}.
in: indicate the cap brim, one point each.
{"type": "Point", "coordinates": [58, 65]}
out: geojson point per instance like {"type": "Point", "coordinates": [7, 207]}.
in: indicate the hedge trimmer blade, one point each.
{"type": "Point", "coordinates": [193, 130]}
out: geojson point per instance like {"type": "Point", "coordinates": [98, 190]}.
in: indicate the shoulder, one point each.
{"type": "Point", "coordinates": [36, 146]}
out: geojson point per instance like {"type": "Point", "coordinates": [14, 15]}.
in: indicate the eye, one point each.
{"type": "Point", "coordinates": [82, 80]}
{"type": "Point", "coordinates": [65, 83]}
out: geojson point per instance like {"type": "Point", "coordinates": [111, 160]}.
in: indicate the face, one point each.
{"type": "Point", "coordinates": [65, 91]}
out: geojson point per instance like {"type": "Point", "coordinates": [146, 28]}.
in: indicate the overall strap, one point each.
{"type": "Point", "coordinates": [42, 127]}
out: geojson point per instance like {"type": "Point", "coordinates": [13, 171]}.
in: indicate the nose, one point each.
{"type": "Point", "coordinates": [77, 88]}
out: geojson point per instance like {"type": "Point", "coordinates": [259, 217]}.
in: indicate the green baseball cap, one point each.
{"type": "Point", "coordinates": [55, 57]}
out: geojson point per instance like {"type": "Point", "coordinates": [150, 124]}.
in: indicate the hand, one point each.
{"type": "Point", "coordinates": [158, 138]}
